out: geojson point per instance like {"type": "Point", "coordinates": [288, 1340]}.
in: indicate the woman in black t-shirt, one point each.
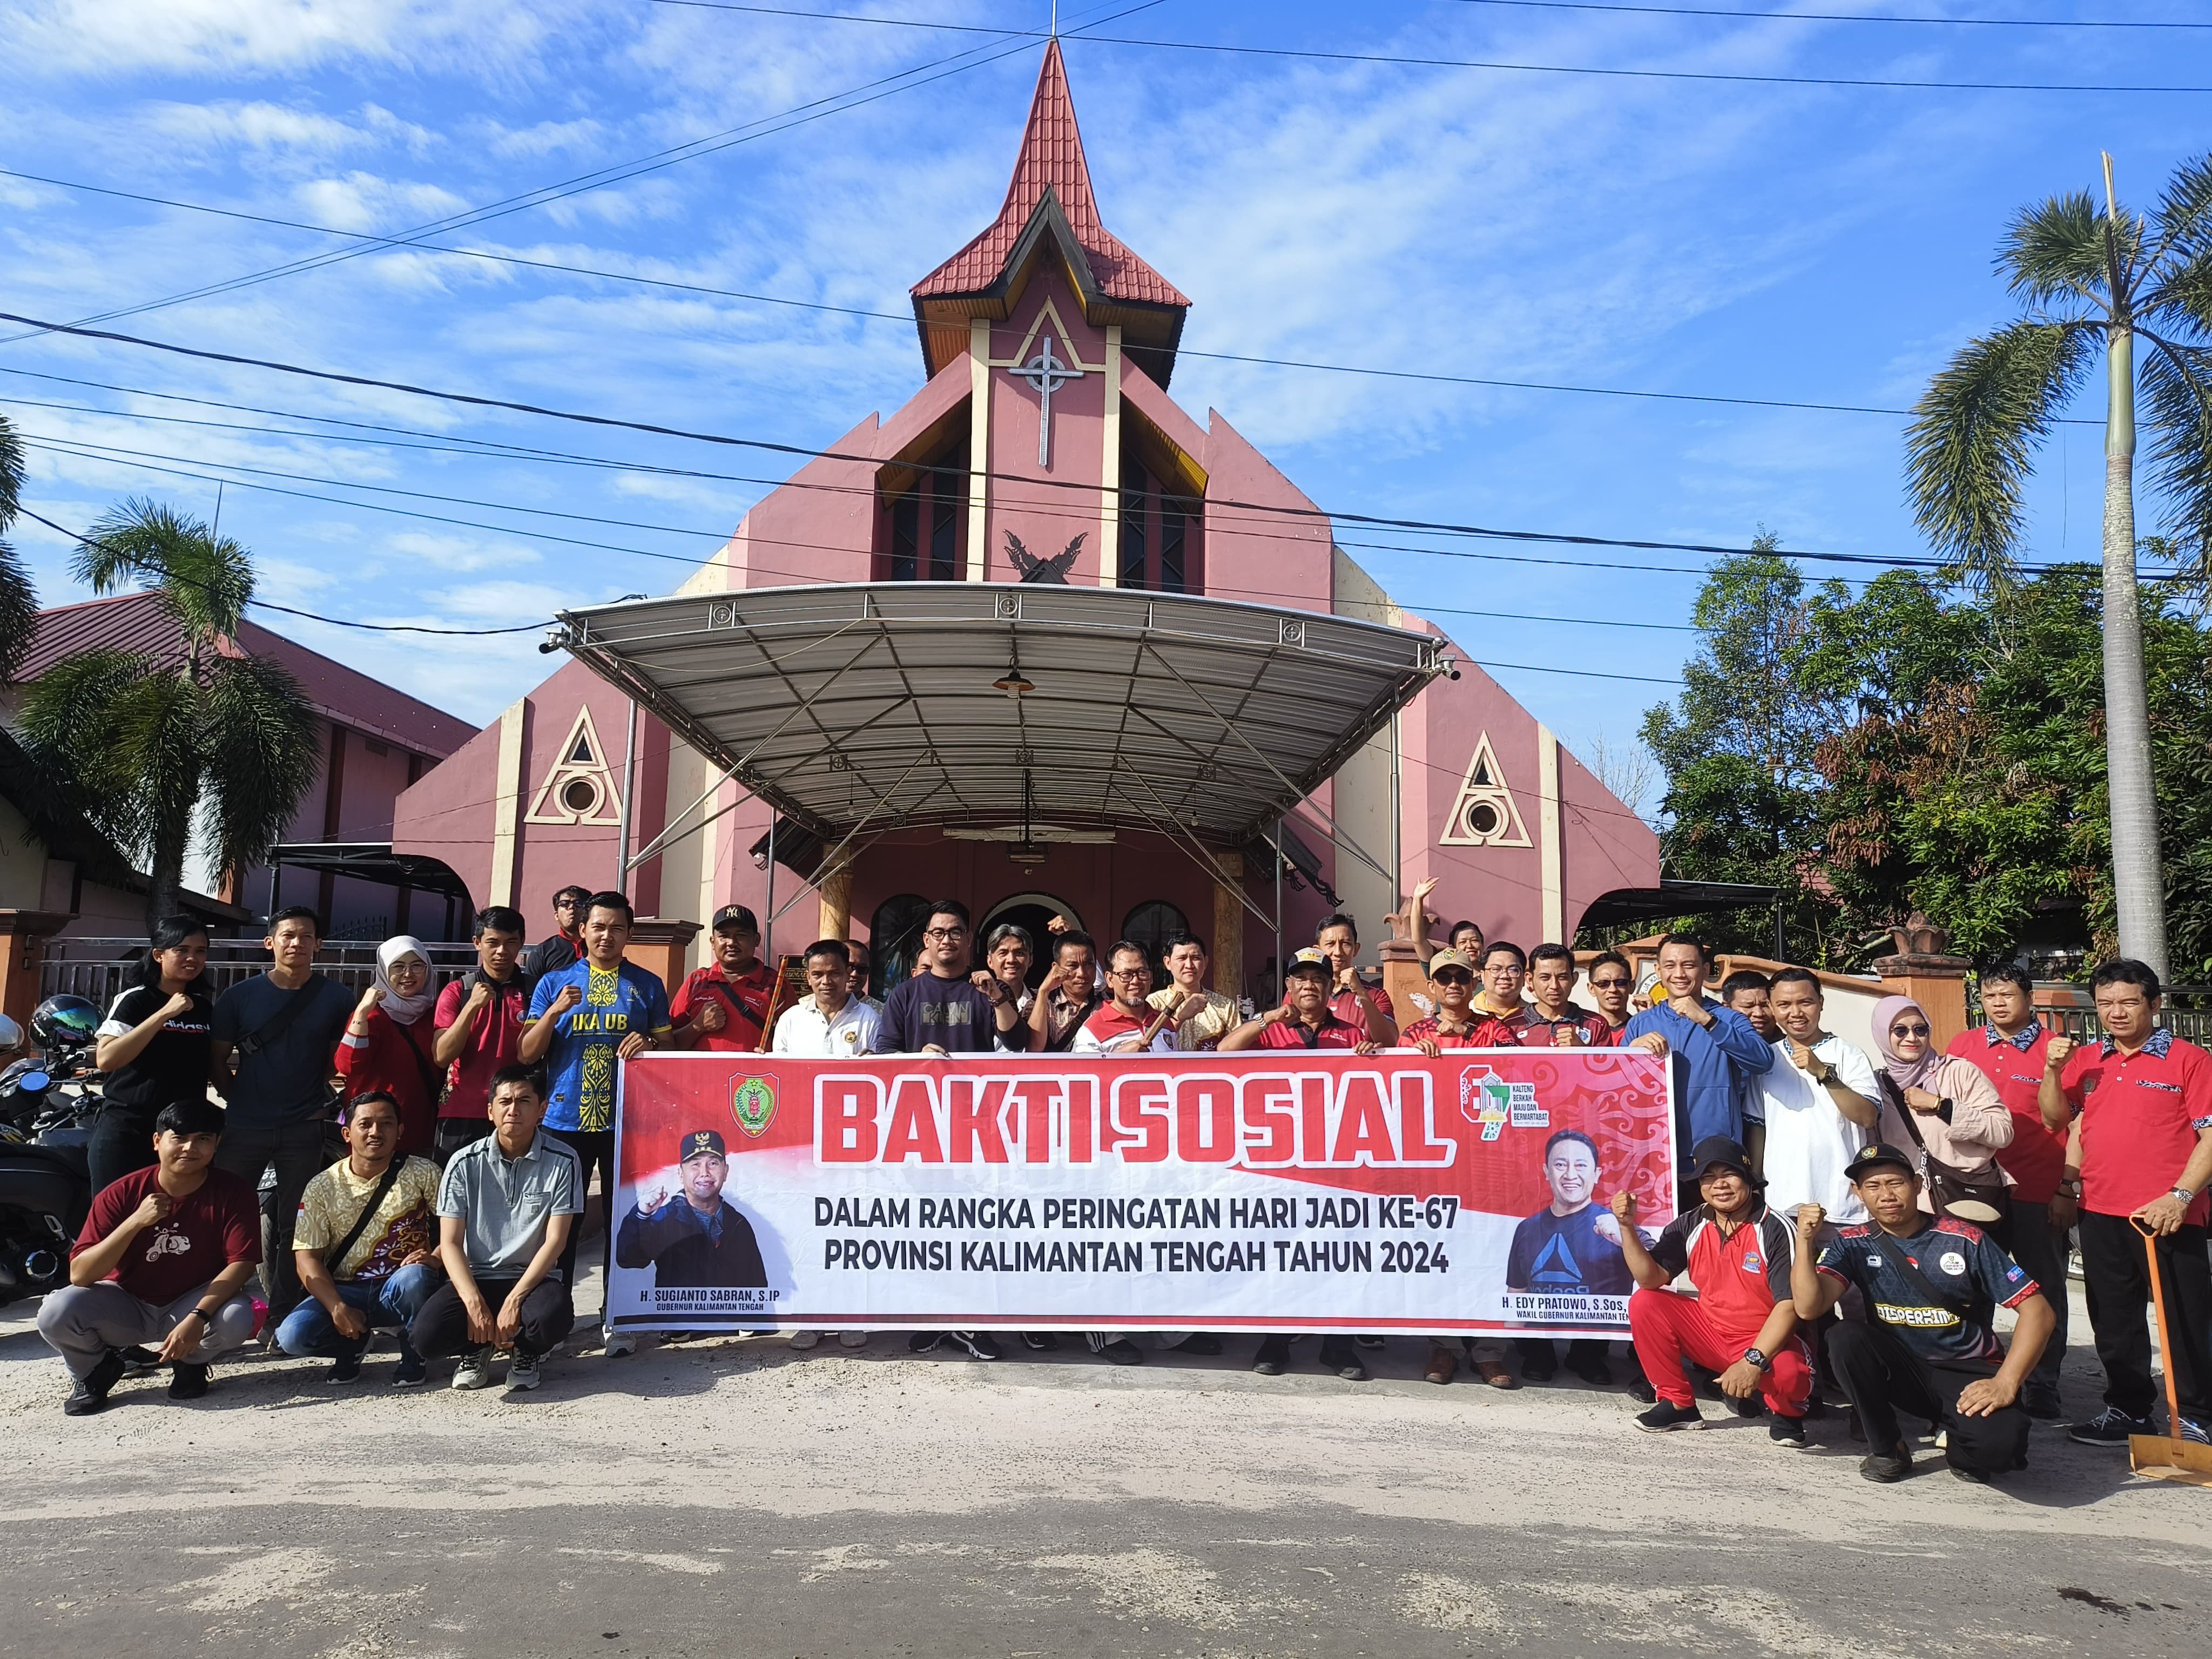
{"type": "Point", "coordinates": [152, 1047]}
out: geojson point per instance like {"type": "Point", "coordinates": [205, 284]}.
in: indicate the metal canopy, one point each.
{"type": "Point", "coordinates": [897, 704]}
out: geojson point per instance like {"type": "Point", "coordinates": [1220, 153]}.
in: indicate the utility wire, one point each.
{"type": "Point", "coordinates": [1830, 16]}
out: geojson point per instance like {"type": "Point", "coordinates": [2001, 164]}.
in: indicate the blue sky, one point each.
{"type": "Point", "coordinates": [1821, 244]}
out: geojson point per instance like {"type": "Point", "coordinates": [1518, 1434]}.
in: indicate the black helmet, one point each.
{"type": "Point", "coordinates": [63, 1022]}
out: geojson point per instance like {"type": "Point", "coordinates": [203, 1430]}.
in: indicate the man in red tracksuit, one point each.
{"type": "Point", "coordinates": [1744, 1319]}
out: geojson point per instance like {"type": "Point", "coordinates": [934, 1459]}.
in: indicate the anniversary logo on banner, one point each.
{"type": "Point", "coordinates": [1388, 1193]}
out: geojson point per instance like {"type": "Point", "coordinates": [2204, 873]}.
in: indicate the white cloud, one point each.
{"type": "Point", "coordinates": [460, 553]}
{"type": "Point", "coordinates": [363, 201]}
{"type": "Point", "coordinates": [545, 138]}
{"type": "Point", "coordinates": [226, 125]}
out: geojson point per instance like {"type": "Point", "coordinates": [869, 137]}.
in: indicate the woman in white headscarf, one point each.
{"type": "Point", "coordinates": [388, 1041]}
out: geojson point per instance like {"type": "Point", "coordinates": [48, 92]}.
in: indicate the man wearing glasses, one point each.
{"type": "Point", "coordinates": [565, 947]}
{"type": "Point", "coordinates": [947, 1009]}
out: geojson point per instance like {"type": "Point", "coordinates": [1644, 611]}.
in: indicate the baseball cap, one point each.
{"type": "Point", "coordinates": [1873, 1158]}
{"type": "Point", "coordinates": [1311, 960]}
{"type": "Point", "coordinates": [1722, 1151]}
{"type": "Point", "coordinates": [699, 1143]}
{"type": "Point", "coordinates": [1451, 959]}
{"type": "Point", "coordinates": [735, 917]}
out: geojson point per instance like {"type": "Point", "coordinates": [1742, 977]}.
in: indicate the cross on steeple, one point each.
{"type": "Point", "coordinates": [1046, 373]}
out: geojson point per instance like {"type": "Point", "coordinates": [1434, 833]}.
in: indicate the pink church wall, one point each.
{"type": "Point", "coordinates": [1046, 506]}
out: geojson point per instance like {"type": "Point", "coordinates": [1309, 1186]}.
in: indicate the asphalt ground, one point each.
{"type": "Point", "coordinates": [733, 1497]}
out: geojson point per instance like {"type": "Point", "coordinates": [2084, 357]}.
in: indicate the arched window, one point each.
{"type": "Point", "coordinates": [1030, 912]}
{"type": "Point", "coordinates": [895, 941]}
{"type": "Point", "coordinates": [1151, 925]}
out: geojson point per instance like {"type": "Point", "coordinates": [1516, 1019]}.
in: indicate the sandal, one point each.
{"type": "Point", "coordinates": [1493, 1372]}
{"type": "Point", "coordinates": [1444, 1365]}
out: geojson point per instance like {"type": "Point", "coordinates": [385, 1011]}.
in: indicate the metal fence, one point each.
{"type": "Point", "coordinates": [2187, 1012]}
{"type": "Point", "coordinates": [99, 969]}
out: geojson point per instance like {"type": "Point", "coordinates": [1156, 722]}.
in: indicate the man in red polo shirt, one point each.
{"type": "Point", "coordinates": [724, 1006]}
{"type": "Point", "coordinates": [479, 1023]}
{"type": "Point", "coordinates": [1367, 1006]}
{"type": "Point", "coordinates": [1307, 1019]}
{"type": "Point", "coordinates": [2139, 1104]}
{"type": "Point", "coordinates": [2010, 1051]}
{"type": "Point", "coordinates": [1743, 1320]}
{"type": "Point", "coordinates": [1457, 1022]}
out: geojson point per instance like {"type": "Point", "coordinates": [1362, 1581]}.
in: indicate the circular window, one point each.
{"type": "Point", "coordinates": [1484, 820]}
{"type": "Point", "coordinates": [581, 796]}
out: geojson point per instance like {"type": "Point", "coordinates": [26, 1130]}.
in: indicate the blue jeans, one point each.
{"type": "Point", "coordinates": [307, 1330]}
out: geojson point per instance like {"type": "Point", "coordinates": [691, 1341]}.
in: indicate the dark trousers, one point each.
{"type": "Point", "coordinates": [1882, 1377]}
{"type": "Point", "coordinates": [2040, 1248]}
{"type": "Point", "coordinates": [295, 1150]}
{"type": "Point", "coordinates": [595, 1150]}
{"type": "Point", "coordinates": [454, 1132]}
{"type": "Point", "coordinates": [122, 1143]}
{"type": "Point", "coordinates": [442, 1328]}
{"type": "Point", "coordinates": [1336, 1350]}
{"type": "Point", "coordinates": [2117, 1280]}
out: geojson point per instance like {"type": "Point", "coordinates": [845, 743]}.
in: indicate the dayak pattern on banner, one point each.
{"type": "Point", "coordinates": [1264, 1191]}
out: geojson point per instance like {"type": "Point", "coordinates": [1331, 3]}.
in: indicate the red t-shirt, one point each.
{"type": "Point", "coordinates": [2141, 1115]}
{"type": "Point", "coordinates": [2037, 1159]}
{"type": "Point", "coordinates": [1739, 1276]}
{"type": "Point", "coordinates": [1530, 1029]}
{"type": "Point", "coordinates": [495, 1040]}
{"type": "Point", "coordinates": [1487, 1032]}
{"type": "Point", "coordinates": [1331, 1033]}
{"type": "Point", "coordinates": [212, 1226]}
{"type": "Point", "coordinates": [744, 1000]}
{"type": "Point", "coordinates": [1345, 1005]}
{"type": "Point", "coordinates": [387, 1059]}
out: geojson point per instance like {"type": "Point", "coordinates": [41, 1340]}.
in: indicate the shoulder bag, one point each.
{"type": "Point", "coordinates": [335, 1256]}
{"type": "Point", "coordinates": [1980, 1197]}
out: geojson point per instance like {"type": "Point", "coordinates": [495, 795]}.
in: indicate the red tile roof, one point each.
{"type": "Point", "coordinates": [1051, 155]}
{"type": "Point", "coordinates": [141, 622]}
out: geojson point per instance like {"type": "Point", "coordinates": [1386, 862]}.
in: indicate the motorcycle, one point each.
{"type": "Point", "coordinates": [47, 1106]}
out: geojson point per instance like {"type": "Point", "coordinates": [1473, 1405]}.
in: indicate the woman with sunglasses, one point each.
{"type": "Point", "coordinates": [1959, 1119]}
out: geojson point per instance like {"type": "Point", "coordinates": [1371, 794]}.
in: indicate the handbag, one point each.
{"type": "Point", "coordinates": [1978, 1197]}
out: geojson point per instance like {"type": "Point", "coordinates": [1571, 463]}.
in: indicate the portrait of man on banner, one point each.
{"type": "Point", "coordinates": [1571, 1249]}
{"type": "Point", "coordinates": [694, 1238]}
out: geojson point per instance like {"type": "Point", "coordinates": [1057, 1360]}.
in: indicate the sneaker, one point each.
{"type": "Point", "coordinates": [346, 1368]}
{"type": "Point", "coordinates": [618, 1344]}
{"type": "Point", "coordinates": [1122, 1352]}
{"type": "Point", "coordinates": [1040, 1341]}
{"type": "Point", "coordinates": [1789, 1432]}
{"type": "Point", "coordinates": [2110, 1427]}
{"type": "Point", "coordinates": [852, 1339]}
{"type": "Point", "coordinates": [410, 1372]}
{"type": "Point", "coordinates": [523, 1372]}
{"type": "Point", "coordinates": [1667, 1416]}
{"type": "Point", "coordinates": [89, 1396]}
{"type": "Point", "coordinates": [474, 1370]}
{"type": "Point", "coordinates": [1886, 1467]}
{"type": "Point", "coordinates": [924, 1341]}
{"type": "Point", "coordinates": [188, 1381]}
{"type": "Point", "coordinates": [803, 1340]}
{"type": "Point", "coordinates": [2195, 1433]}
{"type": "Point", "coordinates": [976, 1344]}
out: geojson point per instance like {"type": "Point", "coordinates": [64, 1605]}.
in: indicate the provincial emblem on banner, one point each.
{"type": "Point", "coordinates": [752, 1102]}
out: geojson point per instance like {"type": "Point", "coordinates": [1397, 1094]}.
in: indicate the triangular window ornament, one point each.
{"type": "Point", "coordinates": [580, 788]}
{"type": "Point", "coordinates": [1485, 813]}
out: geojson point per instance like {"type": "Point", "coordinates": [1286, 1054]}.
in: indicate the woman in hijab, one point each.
{"type": "Point", "coordinates": [1961, 1119]}
{"type": "Point", "coordinates": [388, 1041]}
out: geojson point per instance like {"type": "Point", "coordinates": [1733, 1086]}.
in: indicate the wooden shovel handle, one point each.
{"type": "Point", "coordinates": [2165, 1344]}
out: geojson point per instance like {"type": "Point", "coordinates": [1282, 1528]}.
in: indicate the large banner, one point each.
{"type": "Point", "coordinates": [1270, 1191]}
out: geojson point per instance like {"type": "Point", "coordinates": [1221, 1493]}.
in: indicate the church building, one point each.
{"type": "Point", "coordinates": [1042, 451]}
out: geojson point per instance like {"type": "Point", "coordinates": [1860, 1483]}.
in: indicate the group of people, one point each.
{"type": "Point", "coordinates": [1910, 1192]}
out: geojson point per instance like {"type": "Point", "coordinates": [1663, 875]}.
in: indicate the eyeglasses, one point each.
{"type": "Point", "coordinates": [1128, 973]}
{"type": "Point", "coordinates": [1453, 976]}
{"type": "Point", "coordinates": [1608, 985]}
{"type": "Point", "coordinates": [1909, 1030]}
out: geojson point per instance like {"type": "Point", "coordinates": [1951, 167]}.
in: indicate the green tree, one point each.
{"type": "Point", "coordinates": [150, 748]}
{"type": "Point", "coordinates": [19, 606]}
{"type": "Point", "coordinates": [2089, 279]}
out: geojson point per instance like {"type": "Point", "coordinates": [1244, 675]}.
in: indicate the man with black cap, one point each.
{"type": "Point", "coordinates": [1743, 1320]}
{"type": "Point", "coordinates": [691, 1237]}
{"type": "Point", "coordinates": [724, 1006]}
{"type": "Point", "coordinates": [1307, 1018]}
{"type": "Point", "coordinates": [1931, 1284]}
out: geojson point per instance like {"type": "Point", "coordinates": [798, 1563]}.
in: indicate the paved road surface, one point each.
{"type": "Point", "coordinates": [733, 1497]}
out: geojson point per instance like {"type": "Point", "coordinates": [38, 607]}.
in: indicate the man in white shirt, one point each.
{"type": "Point", "coordinates": [832, 1023]}
{"type": "Point", "coordinates": [1187, 964]}
{"type": "Point", "coordinates": [1822, 1104]}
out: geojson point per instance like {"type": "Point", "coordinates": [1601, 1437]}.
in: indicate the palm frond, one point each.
{"type": "Point", "coordinates": [2177, 301]}
{"type": "Point", "coordinates": [262, 748]}
{"type": "Point", "coordinates": [2184, 211]}
{"type": "Point", "coordinates": [70, 717]}
{"type": "Point", "coordinates": [11, 474]}
{"type": "Point", "coordinates": [2176, 394]}
{"type": "Point", "coordinates": [2055, 252]}
{"type": "Point", "coordinates": [19, 614]}
{"type": "Point", "coordinates": [1974, 432]}
{"type": "Point", "coordinates": [206, 579]}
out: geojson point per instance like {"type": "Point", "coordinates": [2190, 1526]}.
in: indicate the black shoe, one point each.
{"type": "Point", "coordinates": [346, 1366]}
{"type": "Point", "coordinates": [138, 1360]}
{"type": "Point", "coordinates": [2042, 1404]}
{"type": "Point", "coordinates": [1275, 1354]}
{"type": "Point", "coordinates": [1751, 1405]}
{"type": "Point", "coordinates": [410, 1372]}
{"type": "Point", "coordinates": [976, 1344]}
{"type": "Point", "coordinates": [1539, 1369]}
{"type": "Point", "coordinates": [1337, 1354]}
{"type": "Point", "coordinates": [1641, 1391]}
{"type": "Point", "coordinates": [1667, 1416]}
{"type": "Point", "coordinates": [188, 1381]}
{"type": "Point", "coordinates": [1372, 1344]}
{"type": "Point", "coordinates": [90, 1394]}
{"type": "Point", "coordinates": [924, 1341]}
{"type": "Point", "coordinates": [1122, 1352]}
{"type": "Point", "coordinates": [1789, 1432]}
{"type": "Point", "coordinates": [1040, 1341]}
{"type": "Point", "coordinates": [1593, 1371]}
{"type": "Point", "coordinates": [1892, 1465]}
{"type": "Point", "coordinates": [1980, 1477]}
{"type": "Point", "coordinates": [1203, 1342]}
{"type": "Point", "coordinates": [2110, 1427]}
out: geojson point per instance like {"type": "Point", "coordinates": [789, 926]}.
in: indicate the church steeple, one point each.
{"type": "Point", "coordinates": [1050, 207]}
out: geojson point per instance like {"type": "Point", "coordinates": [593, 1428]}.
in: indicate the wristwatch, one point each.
{"type": "Point", "coordinates": [1828, 1077]}
{"type": "Point", "coordinates": [1756, 1360]}
{"type": "Point", "coordinates": [2184, 1195]}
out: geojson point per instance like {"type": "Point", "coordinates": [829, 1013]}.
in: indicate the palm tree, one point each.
{"type": "Point", "coordinates": [19, 607]}
{"type": "Point", "coordinates": [2089, 278]}
{"type": "Point", "coordinates": [151, 747]}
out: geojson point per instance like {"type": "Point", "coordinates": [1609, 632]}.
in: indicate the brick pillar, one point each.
{"type": "Point", "coordinates": [662, 946]}
{"type": "Point", "coordinates": [23, 936]}
{"type": "Point", "coordinates": [1404, 971]}
{"type": "Point", "coordinates": [1937, 983]}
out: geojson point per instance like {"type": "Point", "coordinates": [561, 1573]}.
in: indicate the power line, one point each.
{"type": "Point", "coordinates": [1407, 61]}
{"type": "Point", "coordinates": [1830, 16]}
